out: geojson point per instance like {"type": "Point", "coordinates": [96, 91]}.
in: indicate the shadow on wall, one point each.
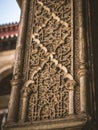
{"type": "Point", "coordinates": [94, 22]}
{"type": "Point", "coordinates": [5, 89]}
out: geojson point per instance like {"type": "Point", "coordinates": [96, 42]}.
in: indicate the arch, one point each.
{"type": "Point", "coordinates": [5, 71]}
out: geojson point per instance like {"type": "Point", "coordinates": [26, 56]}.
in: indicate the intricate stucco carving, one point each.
{"type": "Point", "coordinates": [49, 60]}
{"type": "Point", "coordinates": [50, 100]}
{"type": "Point", "coordinates": [54, 60]}
{"type": "Point", "coordinates": [51, 34]}
{"type": "Point", "coordinates": [76, 55]}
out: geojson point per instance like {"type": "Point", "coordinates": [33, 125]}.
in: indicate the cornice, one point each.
{"type": "Point", "coordinates": [9, 30]}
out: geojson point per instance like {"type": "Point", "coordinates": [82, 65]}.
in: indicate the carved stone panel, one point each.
{"type": "Point", "coordinates": [53, 87]}
{"type": "Point", "coordinates": [51, 34]}
{"type": "Point", "coordinates": [49, 99]}
{"type": "Point", "coordinates": [49, 59]}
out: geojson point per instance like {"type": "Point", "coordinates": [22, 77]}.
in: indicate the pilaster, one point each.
{"type": "Point", "coordinates": [14, 101]}
{"type": "Point", "coordinates": [83, 71]}
{"type": "Point", "coordinates": [71, 84]}
{"type": "Point", "coordinates": [17, 72]}
{"type": "Point", "coordinates": [24, 102]}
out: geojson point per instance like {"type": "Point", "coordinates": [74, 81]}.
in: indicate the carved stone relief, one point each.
{"type": "Point", "coordinates": [50, 97]}
{"type": "Point", "coordinates": [53, 92]}
{"type": "Point", "coordinates": [49, 60]}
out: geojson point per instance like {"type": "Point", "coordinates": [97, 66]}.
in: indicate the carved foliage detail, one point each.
{"type": "Point", "coordinates": [51, 33]}
{"type": "Point", "coordinates": [50, 48]}
{"type": "Point", "coordinates": [50, 100]}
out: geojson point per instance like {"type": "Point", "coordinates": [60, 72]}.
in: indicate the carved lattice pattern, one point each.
{"type": "Point", "coordinates": [50, 98]}
{"type": "Point", "coordinates": [50, 54]}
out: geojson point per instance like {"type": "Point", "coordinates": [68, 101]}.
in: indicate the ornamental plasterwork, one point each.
{"type": "Point", "coordinates": [49, 59]}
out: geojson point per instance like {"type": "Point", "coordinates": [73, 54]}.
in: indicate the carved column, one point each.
{"type": "Point", "coordinates": [13, 103]}
{"type": "Point", "coordinates": [24, 101]}
{"type": "Point", "coordinates": [71, 86]}
{"type": "Point", "coordinates": [82, 58]}
{"type": "Point", "coordinates": [20, 41]}
{"type": "Point", "coordinates": [17, 73]}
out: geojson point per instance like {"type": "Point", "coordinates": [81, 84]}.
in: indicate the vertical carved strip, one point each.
{"type": "Point", "coordinates": [13, 103]}
{"type": "Point", "coordinates": [82, 59]}
{"type": "Point", "coordinates": [24, 103]}
{"type": "Point", "coordinates": [72, 37]}
{"type": "Point", "coordinates": [16, 82]}
{"type": "Point", "coordinates": [17, 72]}
{"type": "Point", "coordinates": [71, 101]}
{"type": "Point", "coordinates": [71, 86]}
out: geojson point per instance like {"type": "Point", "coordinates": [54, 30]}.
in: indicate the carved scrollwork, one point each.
{"type": "Point", "coordinates": [61, 8]}
{"type": "Point", "coordinates": [50, 55]}
{"type": "Point", "coordinates": [51, 99]}
{"type": "Point", "coordinates": [71, 85]}
{"type": "Point", "coordinates": [49, 60]}
{"type": "Point", "coordinates": [63, 55]}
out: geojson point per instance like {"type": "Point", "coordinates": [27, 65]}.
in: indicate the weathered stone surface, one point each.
{"type": "Point", "coordinates": [49, 87]}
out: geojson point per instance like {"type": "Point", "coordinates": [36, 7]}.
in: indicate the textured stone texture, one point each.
{"type": "Point", "coordinates": [49, 88]}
